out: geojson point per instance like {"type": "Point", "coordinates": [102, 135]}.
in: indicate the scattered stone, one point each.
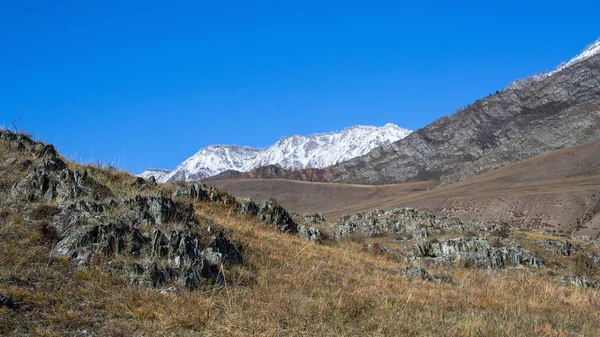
{"type": "Point", "coordinates": [8, 302]}
{"type": "Point", "coordinates": [315, 219]}
{"type": "Point", "coordinates": [579, 281]}
{"type": "Point", "coordinates": [169, 290]}
{"type": "Point", "coordinates": [310, 233]}
{"type": "Point", "coordinates": [422, 274]}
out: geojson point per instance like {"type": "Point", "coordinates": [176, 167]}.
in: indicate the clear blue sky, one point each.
{"type": "Point", "coordinates": [141, 84]}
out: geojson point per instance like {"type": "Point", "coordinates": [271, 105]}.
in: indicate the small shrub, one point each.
{"type": "Point", "coordinates": [44, 212]}
{"type": "Point", "coordinates": [4, 214]}
{"type": "Point", "coordinates": [48, 233]}
{"type": "Point", "coordinates": [16, 219]}
{"type": "Point", "coordinates": [584, 265]}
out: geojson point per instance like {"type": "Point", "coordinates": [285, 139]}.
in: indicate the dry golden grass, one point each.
{"type": "Point", "coordinates": [287, 286]}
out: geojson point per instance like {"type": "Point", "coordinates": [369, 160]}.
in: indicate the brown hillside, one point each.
{"type": "Point", "coordinates": [558, 191]}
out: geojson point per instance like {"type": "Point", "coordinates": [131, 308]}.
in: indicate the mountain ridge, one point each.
{"type": "Point", "coordinates": [317, 150]}
{"type": "Point", "coordinates": [541, 114]}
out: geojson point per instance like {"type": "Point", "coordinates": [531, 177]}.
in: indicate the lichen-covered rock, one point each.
{"type": "Point", "coordinates": [52, 180]}
{"type": "Point", "coordinates": [476, 252]}
{"type": "Point", "coordinates": [201, 192]}
{"type": "Point", "coordinates": [270, 213]}
{"type": "Point", "coordinates": [162, 240]}
{"type": "Point", "coordinates": [560, 247]}
{"type": "Point", "coordinates": [314, 219]}
{"type": "Point", "coordinates": [397, 220]}
{"type": "Point", "coordinates": [579, 281]}
{"type": "Point", "coordinates": [310, 233]}
{"type": "Point", "coordinates": [159, 210]}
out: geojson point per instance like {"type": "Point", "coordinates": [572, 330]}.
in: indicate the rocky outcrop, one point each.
{"type": "Point", "coordinates": [315, 219]}
{"type": "Point", "coordinates": [162, 241]}
{"type": "Point", "coordinates": [160, 210]}
{"type": "Point", "coordinates": [269, 212]}
{"type": "Point", "coordinates": [201, 192]}
{"type": "Point", "coordinates": [560, 247]}
{"type": "Point", "coordinates": [476, 252]}
{"type": "Point", "coordinates": [8, 302]}
{"type": "Point", "coordinates": [580, 281]}
{"type": "Point", "coordinates": [398, 220]}
{"type": "Point", "coordinates": [51, 180]}
{"type": "Point", "coordinates": [310, 233]}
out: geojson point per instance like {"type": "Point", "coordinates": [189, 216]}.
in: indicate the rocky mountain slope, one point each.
{"type": "Point", "coordinates": [296, 152]}
{"type": "Point", "coordinates": [530, 117]}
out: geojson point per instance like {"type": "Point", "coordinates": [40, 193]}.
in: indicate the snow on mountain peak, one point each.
{"type": "Point", "coordinates": [591, 50]}
{"type": "Point", "coordinates": [294, 152]}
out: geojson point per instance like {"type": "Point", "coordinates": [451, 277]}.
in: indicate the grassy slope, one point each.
{"type": "Point", "coordinates": [286, 287]}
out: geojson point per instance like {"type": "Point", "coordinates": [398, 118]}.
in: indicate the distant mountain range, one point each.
{"type": "Point", "coordinates": [535, 115]}
{"type": "Point", "coordinates": [290, 153]}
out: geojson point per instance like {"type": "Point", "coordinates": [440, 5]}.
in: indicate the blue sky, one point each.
{"type": "Point", "coordinates": [140, 84]}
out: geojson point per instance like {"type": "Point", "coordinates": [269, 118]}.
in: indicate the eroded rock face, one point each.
{"type": "Point", "coordinates": [269, 213]}
{"type": "Point", "coordinates": [315, 219]}
{"type": "Point", "coordinates": [160, 210]}
{"type": "Point", "coordinates": [201, 192]}
{"type": "Point", "coordinates": [579, 281]}
{"type": "Point", "coordinates": [397, 220]}
{"type": "Point", "coordinates": [161, 241]}
{"type": "Point", "coordinates": [51, 180]}
{"type": "Point", "coordinates": [476, 252]}
{"type": "Point", "coordinates": [560, 247]}
{"type": "Point", "coordinates": [493, 132]}
{"type": "Point", "coordinates": [310, 233]}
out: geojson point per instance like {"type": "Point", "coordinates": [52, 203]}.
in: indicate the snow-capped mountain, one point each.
{"type": "Point", "coordinates": [157, 173]}
{"type": "Point", "coordinates": [295, 152]}
{"type": "Point", "coordinates": [589, 51]}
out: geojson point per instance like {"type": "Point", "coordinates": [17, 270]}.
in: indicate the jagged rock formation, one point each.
{"type": "Point", "coordinates": [561, 247]}
{"type": "Point", "coordinates": [407, 221]}
{"type": "Point", "coordinates": [580, 281]}
{"type": "Point", "coordinates": [164, 240]}
{"type": "Point", "coordinates": [476, 252]}
{"type": "Point", "coordinates": [269, 212]}
{"type": "Point", "coordinates": [52, 180]}
{"type": "Point", "coordinates": [414, 226]}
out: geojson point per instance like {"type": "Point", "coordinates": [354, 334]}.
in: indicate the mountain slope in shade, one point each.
{"type": "Point", "coordinates": [292, 153]}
